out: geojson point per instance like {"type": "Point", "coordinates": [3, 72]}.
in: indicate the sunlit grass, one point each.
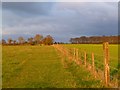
{"type": "Point", "coordinates": [97, 49]}
{"type": "Point", "coordinates": [41, 67]}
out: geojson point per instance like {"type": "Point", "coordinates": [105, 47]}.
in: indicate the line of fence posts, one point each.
{"type": "Point", "coordinates": [106, 61]}
{"type": "Point", "coordinates": [76, 58]}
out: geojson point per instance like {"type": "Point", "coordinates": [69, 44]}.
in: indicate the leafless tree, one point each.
{"type": "Point", "coordinates": [21, 40]}
{"type": "Point", "coordinates": [30, 40]}
{"type": "Point", "coordinates": [38, 38]}
{"type": "Point", "coordinates": [9, 40]}
{"type": "Point", "coordinates": [14, 42]}
{"type": "Point", "coordinates": [48, 40]}
{"type": "Point", "coordinates": [3, 41]}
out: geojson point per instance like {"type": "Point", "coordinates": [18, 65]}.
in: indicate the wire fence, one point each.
{"type": "Point", "coordinates": [95, 63]}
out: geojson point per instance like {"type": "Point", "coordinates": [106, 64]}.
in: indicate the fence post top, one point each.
{"type": "Point", "coordinates": [105, 45]}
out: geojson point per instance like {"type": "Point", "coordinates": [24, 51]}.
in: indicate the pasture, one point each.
{"type": "Point", "coordinates": [42, 67]}
{"type": "Point", "coordinates": [45, 67]}
{"type": "Point", "coordinates": [98, 51]}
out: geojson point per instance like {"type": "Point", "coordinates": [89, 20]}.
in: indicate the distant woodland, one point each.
{"type": "Point", "coordinates": [48, 40]}
{"type": "Point", "coordinates": [95, 40]}
{"type": "Point", "coordinates": [37, 39]}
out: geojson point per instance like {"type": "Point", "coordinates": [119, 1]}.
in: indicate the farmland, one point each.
{"type": "Point", "coordinates": [45, 67]}
{"type": "Point", "coordinates": [98, 51]}
{"type": "Point", "coordinates": [99, 62]}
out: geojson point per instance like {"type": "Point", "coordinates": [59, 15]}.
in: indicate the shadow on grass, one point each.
{"type": "Point", "coordinates": [82, 77]}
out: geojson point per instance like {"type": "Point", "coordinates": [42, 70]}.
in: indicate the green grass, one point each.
{"type": "Point", "coordinates": [97, 49]}
{"type": "Point", "coordinates": [42, 67]}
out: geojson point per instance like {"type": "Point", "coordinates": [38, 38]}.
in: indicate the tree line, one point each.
{"type": "Point", "coordinates": [95, 40]}
{"type": "Point", "coordinates": [37, 39]}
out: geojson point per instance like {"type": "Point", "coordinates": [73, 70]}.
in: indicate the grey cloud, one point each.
{"type": "Point", "coordinates": [66, 21]}
{"type": "Point", "coordinates": [28, 8]}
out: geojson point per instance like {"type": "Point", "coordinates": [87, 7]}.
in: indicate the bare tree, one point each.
{"type": "Point", "coordinates": [14, 42]}
{"type": "Point", "coordinates": [3, 41]}
{"type": "Point", "coordinates": [38, 38]}
{"type": "Point", "coordinates": [48, 40]}
{"type": "Point", "coordinates": [30, 40]}
{"type": "Point", "coordinates": [21, 40]}
{"type": "Point", "coordinates": [9, 40]}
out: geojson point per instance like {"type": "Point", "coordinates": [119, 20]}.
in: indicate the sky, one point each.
{"type": "Point", "coordinates": [62, 20]}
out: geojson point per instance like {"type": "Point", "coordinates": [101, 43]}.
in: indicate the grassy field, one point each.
{"type": "Point", "coordinates": [42, 67]}
{"type": "Point", "coordinates": [97, 49]}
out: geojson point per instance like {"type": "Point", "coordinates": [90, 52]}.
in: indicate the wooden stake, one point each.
{"type": "Point", "coordinates": [106, 61]}
{"type": "Point", "coordinates": [93, 61]}
{"type": "Point", "coordinates": [85, 58]}
{"type": "Point", "coordinates": [77, 61]}
{"type": "Point", "coordinates": [74, 55]}
{"type": "Point", "coordinates": [93, 65]}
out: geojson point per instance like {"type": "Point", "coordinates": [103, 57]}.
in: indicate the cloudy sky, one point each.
{"type": "Point", "coordinates": [62, 20]}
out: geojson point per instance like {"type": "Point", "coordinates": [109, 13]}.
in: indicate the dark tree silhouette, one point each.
{"type": "Point", "coordinates": [3, 41]}
{"type": "Point", "coordinates": [14, 42]}
{"type": "Point", "coordinates": [30, 40]}
{"type": "Point", "coordinates": [10, 40]}
{"type": "Point", "coordinates": [95, 39]}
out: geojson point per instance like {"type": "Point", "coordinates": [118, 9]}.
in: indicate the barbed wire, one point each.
{"type": "Point", "coordinates": [97, 68]}
{"type": "Point", "coordinates": [99, 64]}
{"type": "Point", "coordinates": [70, 49]}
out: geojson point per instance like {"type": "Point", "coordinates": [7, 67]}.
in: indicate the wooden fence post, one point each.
{"type": "Point", "coordinates": [93, 65]}
{"type": "Point", "coordinates": [74, 54]}
{"type": "Point", "coordinates": [106, 62]}
{"type": "Point", "coordinates": [77, 61]}
{"type": "Point", "coordinates": [85, 58]}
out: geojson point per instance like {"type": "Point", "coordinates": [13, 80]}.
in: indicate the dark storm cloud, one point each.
{"type": "Point", "coordinates": [61, 20]}
{"type": "Point", "coordinates": [28, 8]}
{"type": "Point", "coordinates": [0, 20]}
